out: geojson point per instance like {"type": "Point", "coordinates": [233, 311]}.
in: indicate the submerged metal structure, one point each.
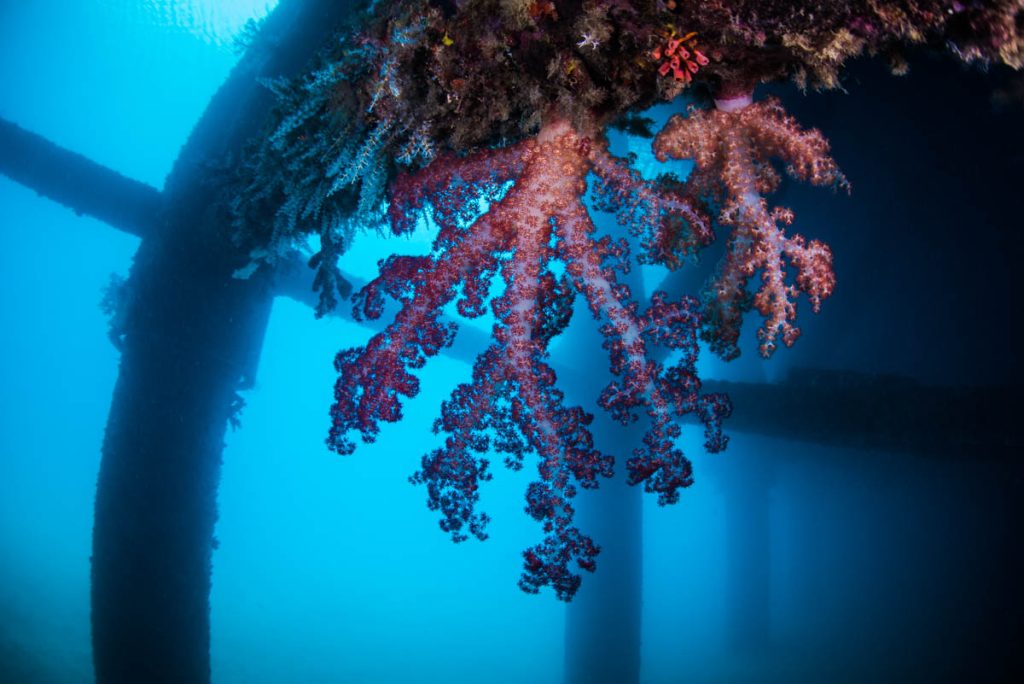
{"type": "Point", "coordinates": [192, 339]}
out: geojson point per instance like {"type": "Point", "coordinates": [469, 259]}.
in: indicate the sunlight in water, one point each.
{"type": "Point", "coordinates": [218, 22]}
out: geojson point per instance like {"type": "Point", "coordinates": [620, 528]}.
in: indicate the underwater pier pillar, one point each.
{"type": "Point", "coordinates": [747, 487]}
{"type": "Point", "coordinates": [190, 337]}
{"type": "Point", "coordinates": [192, 344]}
{"type": "Point", "coordinates": [603, 621]}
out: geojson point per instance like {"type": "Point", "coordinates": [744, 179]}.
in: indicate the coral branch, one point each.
{"type": "Point", "coordinates": [511, 404]}
{"type": "Point", "coordinates": [644, 383]}
{"type": "Point", "coordinates": [732, 146]}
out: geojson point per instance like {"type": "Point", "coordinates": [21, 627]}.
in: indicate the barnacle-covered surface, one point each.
{"type": "Point", "coordinates": [410, 79]}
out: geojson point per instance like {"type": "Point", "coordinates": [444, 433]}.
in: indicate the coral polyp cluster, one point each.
{"type": "Point", "coordinates": [512, 405]}
{"type": "Point", "coordinates": [679, 56]}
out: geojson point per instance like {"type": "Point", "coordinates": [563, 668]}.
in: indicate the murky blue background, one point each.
{"type": "Point", "coordinates": [884, 567]}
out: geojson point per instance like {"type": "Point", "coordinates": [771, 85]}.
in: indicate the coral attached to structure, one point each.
{"type": "Point", "coordinates": [438, 104]}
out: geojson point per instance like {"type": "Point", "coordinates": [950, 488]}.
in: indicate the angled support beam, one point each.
{"type": "Point", "coordinates": [91, 189]}
{"type": "Point", "coordinates": [879, 412]}
{"type": "Point", "coordinates": [82, 185]}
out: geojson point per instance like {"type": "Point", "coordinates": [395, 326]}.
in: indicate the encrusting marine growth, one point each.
{"type": "Point", "coordinates": [429, 108]}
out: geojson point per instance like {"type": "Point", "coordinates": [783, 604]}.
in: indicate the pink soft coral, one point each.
{"type": "Point", "coordinates": [732, 146]}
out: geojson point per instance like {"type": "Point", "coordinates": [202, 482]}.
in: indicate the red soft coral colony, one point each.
{"type": "Point", "coordinates": [511, 405]}
{"type": "Point", "coordinates": [518, 94]}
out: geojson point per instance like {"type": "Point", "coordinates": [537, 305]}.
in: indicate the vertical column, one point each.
{"type": "Point", "coordinates": [746, 484]}
{"type": "Point", "coordinates": [194, 336]}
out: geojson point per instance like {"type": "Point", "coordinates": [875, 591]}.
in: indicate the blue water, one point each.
{"type": "Point", "coordinates": [883, 566]}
